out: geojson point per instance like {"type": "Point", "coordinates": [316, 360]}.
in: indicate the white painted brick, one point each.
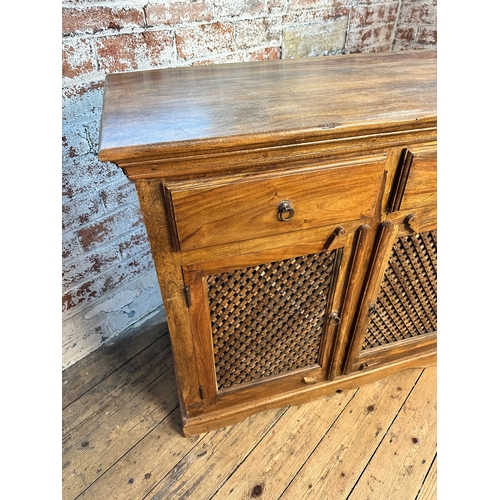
{"type": "Point", "coordinates": [81, 104]}
{"type": "Point", "coordinates": [118, 301]}
{"type": "Point", "coordinates": [81, 337]}
{"type": "Point", "coordinates": [70, 245]}
{"type": "Point", "coordinates": [143, 305]}
{"type": "Point", "coordinates": [257, 32]}
{"type": "Point", "coordinates": [150, 280]}
{"type": "Point", "coordinates": [81, 174]}
{"type": "Point", "coordinates": [232, 8]}
{"type": "Point", "coordinates": [90, 264]}
{"type": "Point", "coordinates": [81, 210]}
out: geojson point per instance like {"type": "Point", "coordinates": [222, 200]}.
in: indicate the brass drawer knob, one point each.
{"type": "Point", "coordinates": [285, 210]}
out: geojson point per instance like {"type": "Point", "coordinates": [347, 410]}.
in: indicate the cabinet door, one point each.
{"type": "Point", "coordinates": [398, 307]}
{"type": "Point", "coordinates": [263, 323]}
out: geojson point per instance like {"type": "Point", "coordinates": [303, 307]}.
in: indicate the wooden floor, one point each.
{"type": "Point", "coordinates": [122, 437]}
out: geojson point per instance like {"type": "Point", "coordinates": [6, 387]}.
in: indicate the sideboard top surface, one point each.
{"type": "Point", "coordinates": [157, 113]}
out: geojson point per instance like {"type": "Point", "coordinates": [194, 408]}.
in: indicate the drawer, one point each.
{"type": "Point", "coordinates": [229, 209]}
{"type": "Point", "coordinates": [416, 182]}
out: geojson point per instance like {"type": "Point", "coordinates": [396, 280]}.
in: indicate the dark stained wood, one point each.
{"type": "Point", "coordinates": [159, 112]}
{"type": "Point", "coordinates": [347, 141]}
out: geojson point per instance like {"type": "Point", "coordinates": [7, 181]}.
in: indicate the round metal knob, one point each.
{"type": "Point", "coordinates": [334, 318]}
{"type": "Point", "coordinates": [285, 210]}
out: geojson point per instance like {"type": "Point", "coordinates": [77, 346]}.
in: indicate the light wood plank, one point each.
{"type": "Point", "coordinates": [273, 464]}
{"type": "Point", "coordinates": [164, 455]}
{"type": "Point", "coordinates": [211, 462]}
{"type": "Point", "coordinates": [108, 396]}
{"type": "Point", "coordinates": [337, 462]}
{"type": "Point", "coordinates": [429, 488]}
{"type": "Point", "coordinates": [402, 460]}
{"type": "Point", "coordinates": [79, 378]}
{"type": "Point", "coordinates": [96, 452]}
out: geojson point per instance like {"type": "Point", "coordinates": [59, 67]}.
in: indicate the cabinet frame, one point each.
{"type": "Point", "coordinates": [145, 139]}
{"type": "Point", "coordinates": [357, 358]}
{"type": "Point", "coordinates": [195, 278]}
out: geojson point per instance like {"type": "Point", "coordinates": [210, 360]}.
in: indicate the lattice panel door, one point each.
{"type": "Point", "coordinates": [406, 303]}
{"type": "Point", "coordinates": [268, 319]}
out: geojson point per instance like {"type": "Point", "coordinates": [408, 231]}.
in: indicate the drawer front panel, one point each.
{"type": "Point", "coordinates": [237, 209]}
{"type": "Point", "coordinates": [417, 182]}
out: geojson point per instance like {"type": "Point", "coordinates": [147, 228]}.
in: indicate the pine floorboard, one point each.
{"type": "Point", "coordinates": [122, 440]}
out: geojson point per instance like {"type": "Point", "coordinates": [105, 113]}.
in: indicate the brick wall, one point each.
{"type": "Point", "coordinates": [109, 282]}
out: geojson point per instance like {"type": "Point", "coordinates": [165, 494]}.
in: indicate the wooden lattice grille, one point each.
{"type": "Point", "coordinates": [407, 300]}
{"type": "Point", "coordinates": [268, 319]}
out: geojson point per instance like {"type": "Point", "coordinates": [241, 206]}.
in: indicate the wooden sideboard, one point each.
{"type": "Point", "coordinates": [291, 209]}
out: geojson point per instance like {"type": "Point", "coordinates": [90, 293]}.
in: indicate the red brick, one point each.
{"type": "Point", "coordinates": [392, 12]}
{"type": "Point", "coordinates": [205, 40]}
{"type": "Point", "coordinates": [427, 35]}
{"type": "Point", "coordinates": [79, 296]}
{"type": "Point", "coordinates": [126, 271]}
{"type": "Point", "coordinates": [267, 54]}
{"type": "Point", "coordinates": [357, 40]}
{"type": "Point", "coordinates": [362, 16]}
{"type": "Point", "coordinates": [133, 51]}
{"type": "Point", "coordinates": [93, 19]}
{"type": "Point", "coordinates": [405, 34]}
{"type": "Point", "coordinates": [382, 34]}
{"type": "Point", "coordinates": [177, 12]}
{"type": "Point", "coordinates": [417, 13]}
{"type": "Point", "coordinates": [106, 230]}
{"type": "Point", "coordinates": [76, 58]}
{"type": "Point", "coordinates": [88, 266]}
{"type": "Point", "coordinates": [134, 244]}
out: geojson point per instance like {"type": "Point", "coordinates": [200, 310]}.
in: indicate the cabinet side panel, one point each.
{"type": "Point", "coordinates": [170, 278]}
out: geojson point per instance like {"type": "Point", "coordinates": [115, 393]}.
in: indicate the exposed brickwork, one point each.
{"type": "Point", "coordinates": [109, 281]}
{"type": "Point", "coordinates": [77, 58]}
{"type": "Point", "coordinates": [177, 12]}
{"type": "Point", "coordinates": [93, 19]}
{"type": "Point", "coordinates": [133, 51]}
{"type": "Point", "coordinates": [325, 38]}
{"type": "Point", "coordinates": [255, 32]}
{"type": "Point", "coordinates": [417, 25]}
{"type": "Point", "coordinates": [205, 40]}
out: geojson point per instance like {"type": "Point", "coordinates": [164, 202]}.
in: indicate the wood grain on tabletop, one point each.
{"type": "Point", "coordinates": [241, 103]}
